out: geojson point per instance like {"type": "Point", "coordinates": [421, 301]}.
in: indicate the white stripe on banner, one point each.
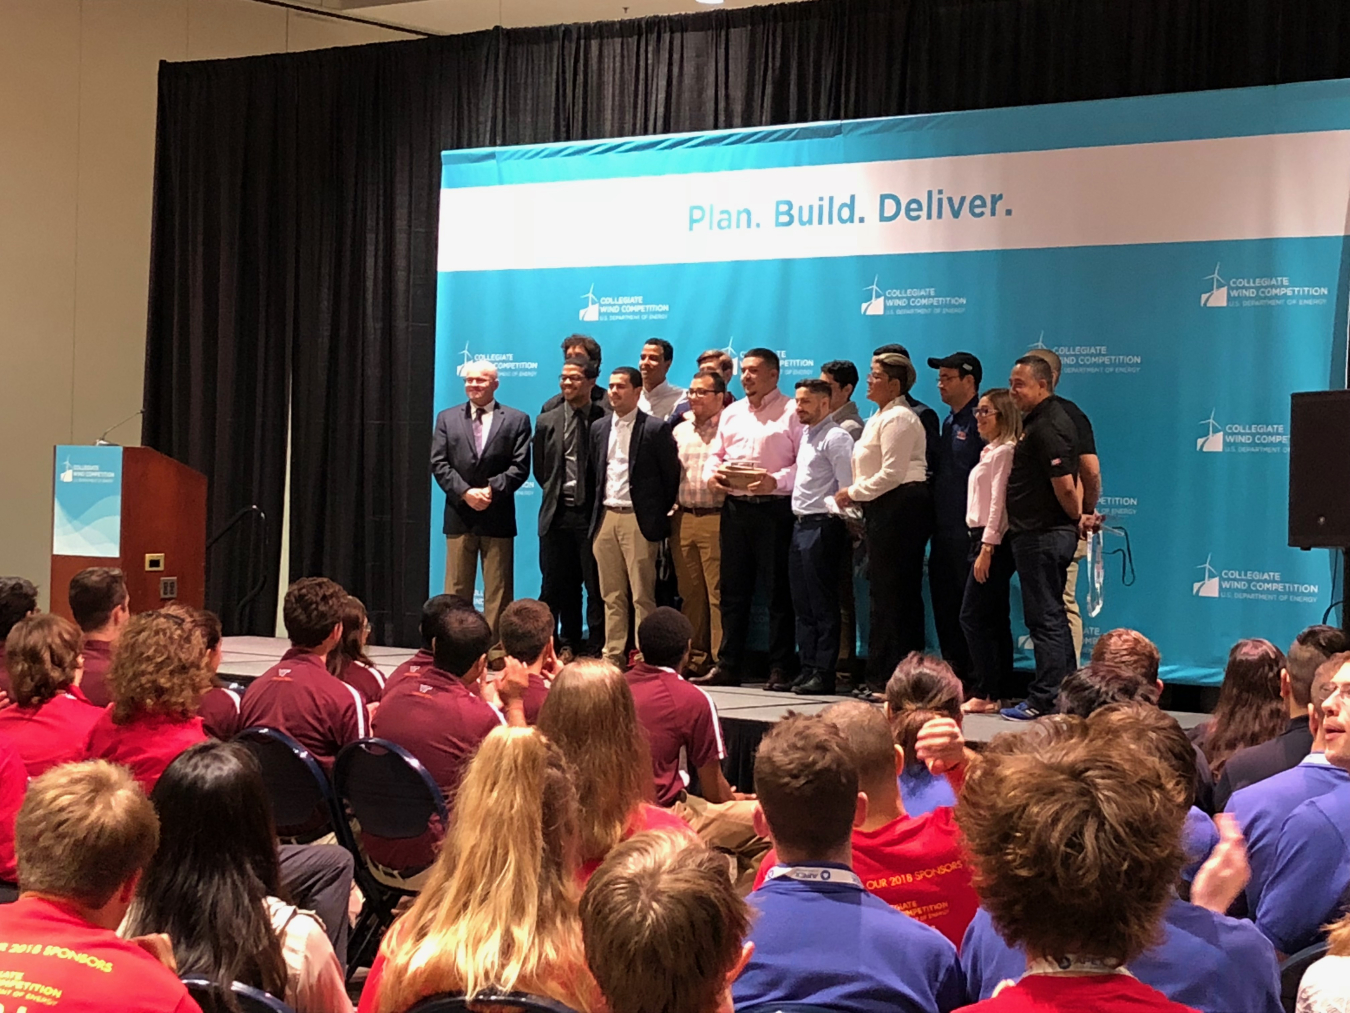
{"type": "Point", "coordinates": [1270, 186]}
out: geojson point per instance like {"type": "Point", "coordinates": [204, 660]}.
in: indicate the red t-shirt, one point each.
{"type": "Point", "coordinates": [1098, 993]}
{"type": "Point", "coordinates": [13, 784]}
{"type": "Point", "coordinates": [97, 661]}
{"type": "Point", "coordinates": [300, 697]}
{"type": "Point", "coordinates": [676, 715]}
{"type": "Point", "coordinates": [219, 711]}
{"type": "Point", "coordinates": [50, 958]}
{"type": "Point", "coordinates": [647, 817]}
{"type": "Point", "coordinates": [917, 865]}
{"type": "Point", "coordinates": [145, 745]}
{"type": "Point", "coordinates": [50, 733]}
{"type": "Point", "coordinates": [422, 659]}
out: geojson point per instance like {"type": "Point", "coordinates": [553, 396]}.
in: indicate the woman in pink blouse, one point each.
{"type": "Point", "coordinates": [985, 608]}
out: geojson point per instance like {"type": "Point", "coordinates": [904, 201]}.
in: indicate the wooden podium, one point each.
{"type": "Point", "coordinates": [133, 508]}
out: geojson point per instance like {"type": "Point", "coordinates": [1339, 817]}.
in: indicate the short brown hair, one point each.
{"type": "Point", "coordinates": [1310, 648]}
{"type": "Point", "coordinates": [159, 667]}
{"type": "Point", "coordinates": [921, 688]}
{"type": "Point", "coordinates": [312, 608]}
{"type": "Point", "coordinates": [525, 628]}
{"type": "Point", "coordinates": [663, 925]}
{"type": "Point", "coordinates": [83, 830]}
{"type": "Point", "coordinates": [1075, 839]}
{"type": "Point", "coordinates": [41, 653]}
{"type": "Point", "coordinates": [1099, 683]}
{"type": "Point", "coordinates": [1130, 650]}
{"type": "Point", "coordinates": [94, 593]}
{"type": "Point", "coordinates": [868, 735]}
{"type": "Point", "coordinates": [807, 784]}
{"type": "Point", "coordinates": [1158, 733]}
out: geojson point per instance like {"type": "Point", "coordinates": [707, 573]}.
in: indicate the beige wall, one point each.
{"type": "Point", "coordinates": [77, 130]}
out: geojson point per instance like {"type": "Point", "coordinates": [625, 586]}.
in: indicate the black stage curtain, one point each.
{"type": "Point", "coordinates": [294, 235]}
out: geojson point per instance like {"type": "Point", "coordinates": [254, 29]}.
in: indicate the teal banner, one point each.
{"type": "Point", "coordinates": [87, 502]}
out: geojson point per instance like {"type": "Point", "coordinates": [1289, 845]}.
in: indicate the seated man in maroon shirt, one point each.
{"type": "Point", "coordinates": [526, 630]}
{"type": "Point", "coordinates": [423, 658]}
{"type": "Point", "coordinates": [100, 607]}
{"type": "Point", "coordinates": [298, 695]}
{"type": "Point", "coordinates": [18, 598]}
{"type": "Point", "coordinates": [84, 834]}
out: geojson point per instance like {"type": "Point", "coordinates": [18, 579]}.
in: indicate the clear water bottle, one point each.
{"type": "Point", "coordinates": [1096, 572]}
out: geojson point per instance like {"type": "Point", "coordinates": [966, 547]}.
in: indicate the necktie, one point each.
{"type": "Point", "coordinates": [478, 429]}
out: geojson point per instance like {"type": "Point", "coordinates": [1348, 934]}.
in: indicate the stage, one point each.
{"type": "Point", "coordinates": [746, 711]}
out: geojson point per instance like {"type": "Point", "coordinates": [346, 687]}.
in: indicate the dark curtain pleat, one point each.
{"type": "Point", "coordinates": [294, 236]}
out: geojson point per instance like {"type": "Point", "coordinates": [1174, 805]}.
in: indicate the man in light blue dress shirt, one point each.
{"type": "Point", "coordinates": [820, 542]}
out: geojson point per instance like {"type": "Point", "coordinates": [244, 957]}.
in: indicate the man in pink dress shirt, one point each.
{"type": "Point", "coordinates": [761, 430]}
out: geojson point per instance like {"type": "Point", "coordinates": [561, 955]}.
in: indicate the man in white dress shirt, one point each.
{"type": "Point", "coordinates": [659, 397]}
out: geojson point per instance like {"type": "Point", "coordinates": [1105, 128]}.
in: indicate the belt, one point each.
{"type": "Point", "coordinates": [759, 500]}
{"type": "Point", "coordinates": [618, 510]}
{"type": "Point", "coordinates": [700, 511]}
{"type": "Point", "coordinates": [818, 518]}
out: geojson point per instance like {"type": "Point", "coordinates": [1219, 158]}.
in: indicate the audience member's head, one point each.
{"type": "Point", "coordinates": [18, 598]}
{"type": "Point", "coordinates": [499, 909]}
{"type": "Point", "coordinates": [525, 628]}
{"type": "Point", "coordinates": [1075, 837]}
{"type": "Point", "coordinates": [921, 688]}
{"type": "Point", "coordinates": [159, 668]}
{"type": "Point", "coordinates": [432, 609]}
{"type": "Point", "coordinates": [1130, 650]}
{"type": "Point", "coordinates": [589, 714]}
{"type": "Point", "coordinates": [1099, 683]}
{"type": "Point", "coordinates": [351, 648]}
{"type": "Point", "coordinates": [99, 602]}
{"type": "Point", "coordinates": [868, 735]}
{"type": "Point", "coordinates": [1324, 681]}
{"type": "Point", "coordinates": [1250, 710]}
{"type": "Point", "coordinates": [664, 638]}
{"type": "Point", "coordinates": [1309, 650]}
{"type": "Point", "coordinates": [83, 834]}
{"type": "Point", "coordinates": [460, 639]}
{"type": "Point", "coordinates": [312, 613]}
{"type": "Point", "coordinates": [204, 625]}
{"type": "Point", "coordinates": [1157, 733]}
{"type": "Point", "coordinates": [1336, 713]}
{"type": "Point", "coordinates": [664, 927]}
{"type": "Point", "coordinates": [207, 885]}
{"type": "Point", "coordinates": [42, 653]}
{"type": "Point", "coordinates": [806, 785]}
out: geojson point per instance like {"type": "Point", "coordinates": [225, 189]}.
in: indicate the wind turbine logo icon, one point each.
{"type": "Point", "coordinates": [1040, 341]}
{"type": "Point", "coordinates": [735, 359]}
{"type": "Point", "coordinates": [463, 367]}
{"type": "Point", "coordinates": [875, 306]}
{"type": "Point", "coordinates": [591, 311]}
{"type": "Point", "coordinates": [1218, 292]}
{"type": "Point", "coordinates": [1208, 585]}
{"type": "Point", "coordinates": [1211, 442]}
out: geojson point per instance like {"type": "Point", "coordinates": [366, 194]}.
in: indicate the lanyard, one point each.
{"type": "Point", "coordinates": [1074, 965]}
{"type": "Point", "coordinates": [815, 874]}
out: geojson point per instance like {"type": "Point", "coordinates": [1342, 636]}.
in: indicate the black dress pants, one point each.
{"type": "Point", "coordinates": [755, 537]}
{"type": "Point", "coordinates": [948, 567]}
{"type": "Point", "coordinates": [567, 565]}
{"type": "Point", "coordinates": [898, 525]}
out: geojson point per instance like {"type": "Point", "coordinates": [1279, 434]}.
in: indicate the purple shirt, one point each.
{"type": "Point", "coordinates": [767, 436]}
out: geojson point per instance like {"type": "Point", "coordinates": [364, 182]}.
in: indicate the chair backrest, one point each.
{"type": "Point", "coordinates": [302, 799]}
{"type": "Point", "coordinates": [1292, 969]}
{"type": "Point", "coordinates": [455, 1002]}
{"type": "Point", "coordinates": [786, 1007]}
{"type": "Point", "coordinates": [387, 789]}
{"type": "Point", "coordinates": [211, 998]}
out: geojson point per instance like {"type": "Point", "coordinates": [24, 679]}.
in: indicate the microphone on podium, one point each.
{"type": "Point", "coordinates": [103, 442]}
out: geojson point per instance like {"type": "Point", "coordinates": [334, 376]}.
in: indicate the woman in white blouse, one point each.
{"type": "Point", "coordinates": [1325, 987]}
{"type": "Point", "coordinates": [985, 609]}
{"type": "Point", "coordinates": [890, 473]}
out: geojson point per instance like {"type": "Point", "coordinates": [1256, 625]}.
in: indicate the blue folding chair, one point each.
{"type": "Point", "coordinates": [212, 999]}
{"type": "Point", "coordinates": [455, 1002]}
{"type": "Point", "coordinates": [397, 811]}
{"type": "Point", "coordinates": [303, 806]}
{"type": "Point", "coordinates": [1292, 969]}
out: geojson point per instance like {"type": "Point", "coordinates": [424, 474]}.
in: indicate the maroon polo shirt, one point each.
{"type": "Point", "coordinates": [422, 659]}
{"type": "Point", "coordinates": [4, 672]}
{"type": "Point", "coordinates": [219, 711]}
{"type": "Point", "coordinates": [97, 661]}
{"type": "Point", "coordinates": [50, 733]}
{"type": "Point", "coordinates": [300, 697]}
{"type": "Point", "coordinates": [438, 719]}
{"type": "Point", "coordinates": [676, 715]}
{"type": "Point", "coordinates": [534, 697]}
{"type": "Point", "coordinates": [367, 680]}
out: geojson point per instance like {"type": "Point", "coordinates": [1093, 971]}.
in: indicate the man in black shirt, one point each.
{"type": "Point", "coordinates": [959, 376]}
{"type": "Point", "coordinates": [1090, 481]}
{"type": "Point", "coordinates": [1043, 516]}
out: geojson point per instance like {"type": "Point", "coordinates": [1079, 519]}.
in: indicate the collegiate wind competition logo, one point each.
{"type": "Point", "coordinates": [1090, 358]}
{"type": "Point", "coordinates": [504, 361]}
{"type": "Point", "coordinates": [1242, 438]}
{"type": "Point", "coordinates": [1218, 293]}
{"type": "Point", "coordinates": [1258, 289]}
{"type": "Point", "coordinates": [887, 302]}
{"type": "Point", "coordinates": [614, 308]}
{"type": "Point", "coordinates": [1258, 585]}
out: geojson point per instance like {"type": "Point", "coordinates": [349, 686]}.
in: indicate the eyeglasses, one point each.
{"type": "Point", "coordinates": [701, 393]}
{"type": "Point", "coordinates": [986, 412]}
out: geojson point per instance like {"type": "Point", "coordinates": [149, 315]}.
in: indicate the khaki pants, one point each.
{"type": "Point", "coordinates": [462, 553]}
{"type": "Point", "coordinates": [1071, 602]}
{"type": "Point", "coordinates": [696, 547]}
{"type": "Point", "coordinates": [626, 565]}
{"type": "Point", "coordinates": [728, 827]}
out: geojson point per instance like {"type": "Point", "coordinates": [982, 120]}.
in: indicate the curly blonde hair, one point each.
{"type": "Point", "coordinates": [158, 667]}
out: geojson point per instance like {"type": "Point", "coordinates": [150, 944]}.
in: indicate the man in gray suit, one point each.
{"type": "Point", "coordinates": [480, 456]}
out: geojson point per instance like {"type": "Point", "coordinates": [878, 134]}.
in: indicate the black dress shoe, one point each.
{"type": "Point", "coordinates": [717, 676]}
{"type": "Point", "coordinates": [818, 684]}
{"type": "Point", "coordinates": [778, 681]}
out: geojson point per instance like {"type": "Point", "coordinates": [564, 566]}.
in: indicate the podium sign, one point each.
{"type": "Point", "coordinates": [87, 502]}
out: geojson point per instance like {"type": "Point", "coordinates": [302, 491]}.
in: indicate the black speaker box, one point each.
{"type": "Point", "coordinates": [1319, 470]}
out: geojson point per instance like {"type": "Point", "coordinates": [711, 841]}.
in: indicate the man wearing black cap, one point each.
{"type": "Point", "coordinates": [958, 451]}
